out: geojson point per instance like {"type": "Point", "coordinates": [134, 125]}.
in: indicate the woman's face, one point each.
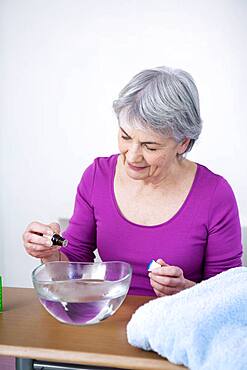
{"type": "Point", "coordinates": [146, 154]}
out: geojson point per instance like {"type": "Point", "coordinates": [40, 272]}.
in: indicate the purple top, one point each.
{"type": "Point", "coordinates": [203, 238]}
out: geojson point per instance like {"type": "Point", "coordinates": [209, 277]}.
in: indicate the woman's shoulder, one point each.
{"type": "Point", "coordinates": [106, 163]}
{"type": "Point", "coordinates": [213, 182]}
{"type": "Point", "coordinates": [209, 176]}
{"type": "Point", "coordinates": [101, 163]}
{"type": "Point", "coordinates": [101, 166]}
{"type": "Point", "coordinates": [98, 172]}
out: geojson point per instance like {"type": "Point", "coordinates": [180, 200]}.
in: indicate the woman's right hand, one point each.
{"type": "Point", "coordinates": [37, 244]}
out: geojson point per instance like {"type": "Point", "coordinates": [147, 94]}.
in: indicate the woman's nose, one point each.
{"type": "Point", "coordinates": [134, 153]}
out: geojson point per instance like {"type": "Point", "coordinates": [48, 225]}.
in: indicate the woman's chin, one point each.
{"type": "Point", "coordinates": [135, 175]}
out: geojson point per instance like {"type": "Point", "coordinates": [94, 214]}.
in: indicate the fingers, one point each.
{"type": "Point", "coordinates": [35, 239]}
{"type": "Point", "coordinates": [161, 262]}
{"type": "Point", "coordinates": [38, 252]}
{"type": "Point", "coordinates": [173, 286]}
{"type": "Point", "coordinates": [166, 280]}
{"type": "Point", "coordinates": [39, 228]}
{"type": "Point", "coordinates": [167, 270]}
{"type": "Point", "coordinates": [161, 290]}
{"type": "Point", "coordinates": [165, 292]}
{"type": "Point", "coordinates": [55, 227]}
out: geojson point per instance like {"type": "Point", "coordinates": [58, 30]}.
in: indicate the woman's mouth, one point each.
{"type": "Point", "coordinates": [136, 168]}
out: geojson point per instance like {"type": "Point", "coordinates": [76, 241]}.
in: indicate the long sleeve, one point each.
{"type": "Point", "coordinates": [224, 248]}
{"type": "Point", "coordinates": [81, 231]}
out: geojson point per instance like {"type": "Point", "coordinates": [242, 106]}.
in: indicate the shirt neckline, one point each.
{"type": "Point", "coordinates": [191, 191]}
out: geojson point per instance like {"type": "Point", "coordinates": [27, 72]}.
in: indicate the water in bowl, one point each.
{"type": "Point", "coordinates": [92, 305]}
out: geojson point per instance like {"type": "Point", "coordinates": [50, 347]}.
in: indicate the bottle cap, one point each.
{"type": "Point", "coordinates": [59, 240]}
{"type": "Point", "coordinates": [153, 265]}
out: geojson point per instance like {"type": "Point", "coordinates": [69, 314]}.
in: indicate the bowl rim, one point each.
{"type": "Point", "coordinates": [81, 263]}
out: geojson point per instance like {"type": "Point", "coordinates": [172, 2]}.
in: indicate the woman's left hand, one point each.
{"type": "Point", "coordinates": [168, 280]}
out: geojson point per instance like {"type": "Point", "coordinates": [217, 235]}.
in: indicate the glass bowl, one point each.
{"type": "Point", "coordinates": [81, 293]}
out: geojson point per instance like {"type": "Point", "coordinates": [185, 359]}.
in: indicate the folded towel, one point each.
{"type": "Point", "coordinates": [203, 327]}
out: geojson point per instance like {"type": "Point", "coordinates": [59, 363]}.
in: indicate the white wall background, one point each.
{"type": "Point", "coordinates": [61, 65]}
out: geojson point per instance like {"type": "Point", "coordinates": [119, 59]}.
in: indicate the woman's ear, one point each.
{"type": "Point", "coordinates": [183, 145]}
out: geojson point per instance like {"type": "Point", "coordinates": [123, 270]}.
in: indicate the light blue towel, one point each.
{"type": "Point", "coordinates": [203, 328]}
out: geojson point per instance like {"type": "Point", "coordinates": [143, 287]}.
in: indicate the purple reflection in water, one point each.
{"type": "Point", "coordinates": [74, 313]}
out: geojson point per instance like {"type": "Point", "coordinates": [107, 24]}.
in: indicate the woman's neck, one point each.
{"type": "Point", "coordinates": [176, 174]}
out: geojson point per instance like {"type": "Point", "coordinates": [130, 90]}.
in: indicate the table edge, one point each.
{"type": "Point", "coordinates": [133, 363]}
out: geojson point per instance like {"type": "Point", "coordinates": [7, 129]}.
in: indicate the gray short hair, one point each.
{"type": "Point", "coordinates": [165, 100]}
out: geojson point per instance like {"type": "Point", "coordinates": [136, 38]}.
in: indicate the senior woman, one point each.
{"type": "Point", "coordinates": [149, 201]}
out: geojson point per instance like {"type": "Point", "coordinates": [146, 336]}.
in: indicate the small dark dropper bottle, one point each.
{"type": "Point", "coordinates": [58, 240]}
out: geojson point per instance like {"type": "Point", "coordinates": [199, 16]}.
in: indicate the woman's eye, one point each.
{"type": "Point", "coordinates": [150, 149]}
{"type": "Point", "coordinates": [125, 137]}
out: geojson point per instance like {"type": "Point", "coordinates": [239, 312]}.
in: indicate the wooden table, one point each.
{"type": "Point", "coordinates": [28, 331]}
